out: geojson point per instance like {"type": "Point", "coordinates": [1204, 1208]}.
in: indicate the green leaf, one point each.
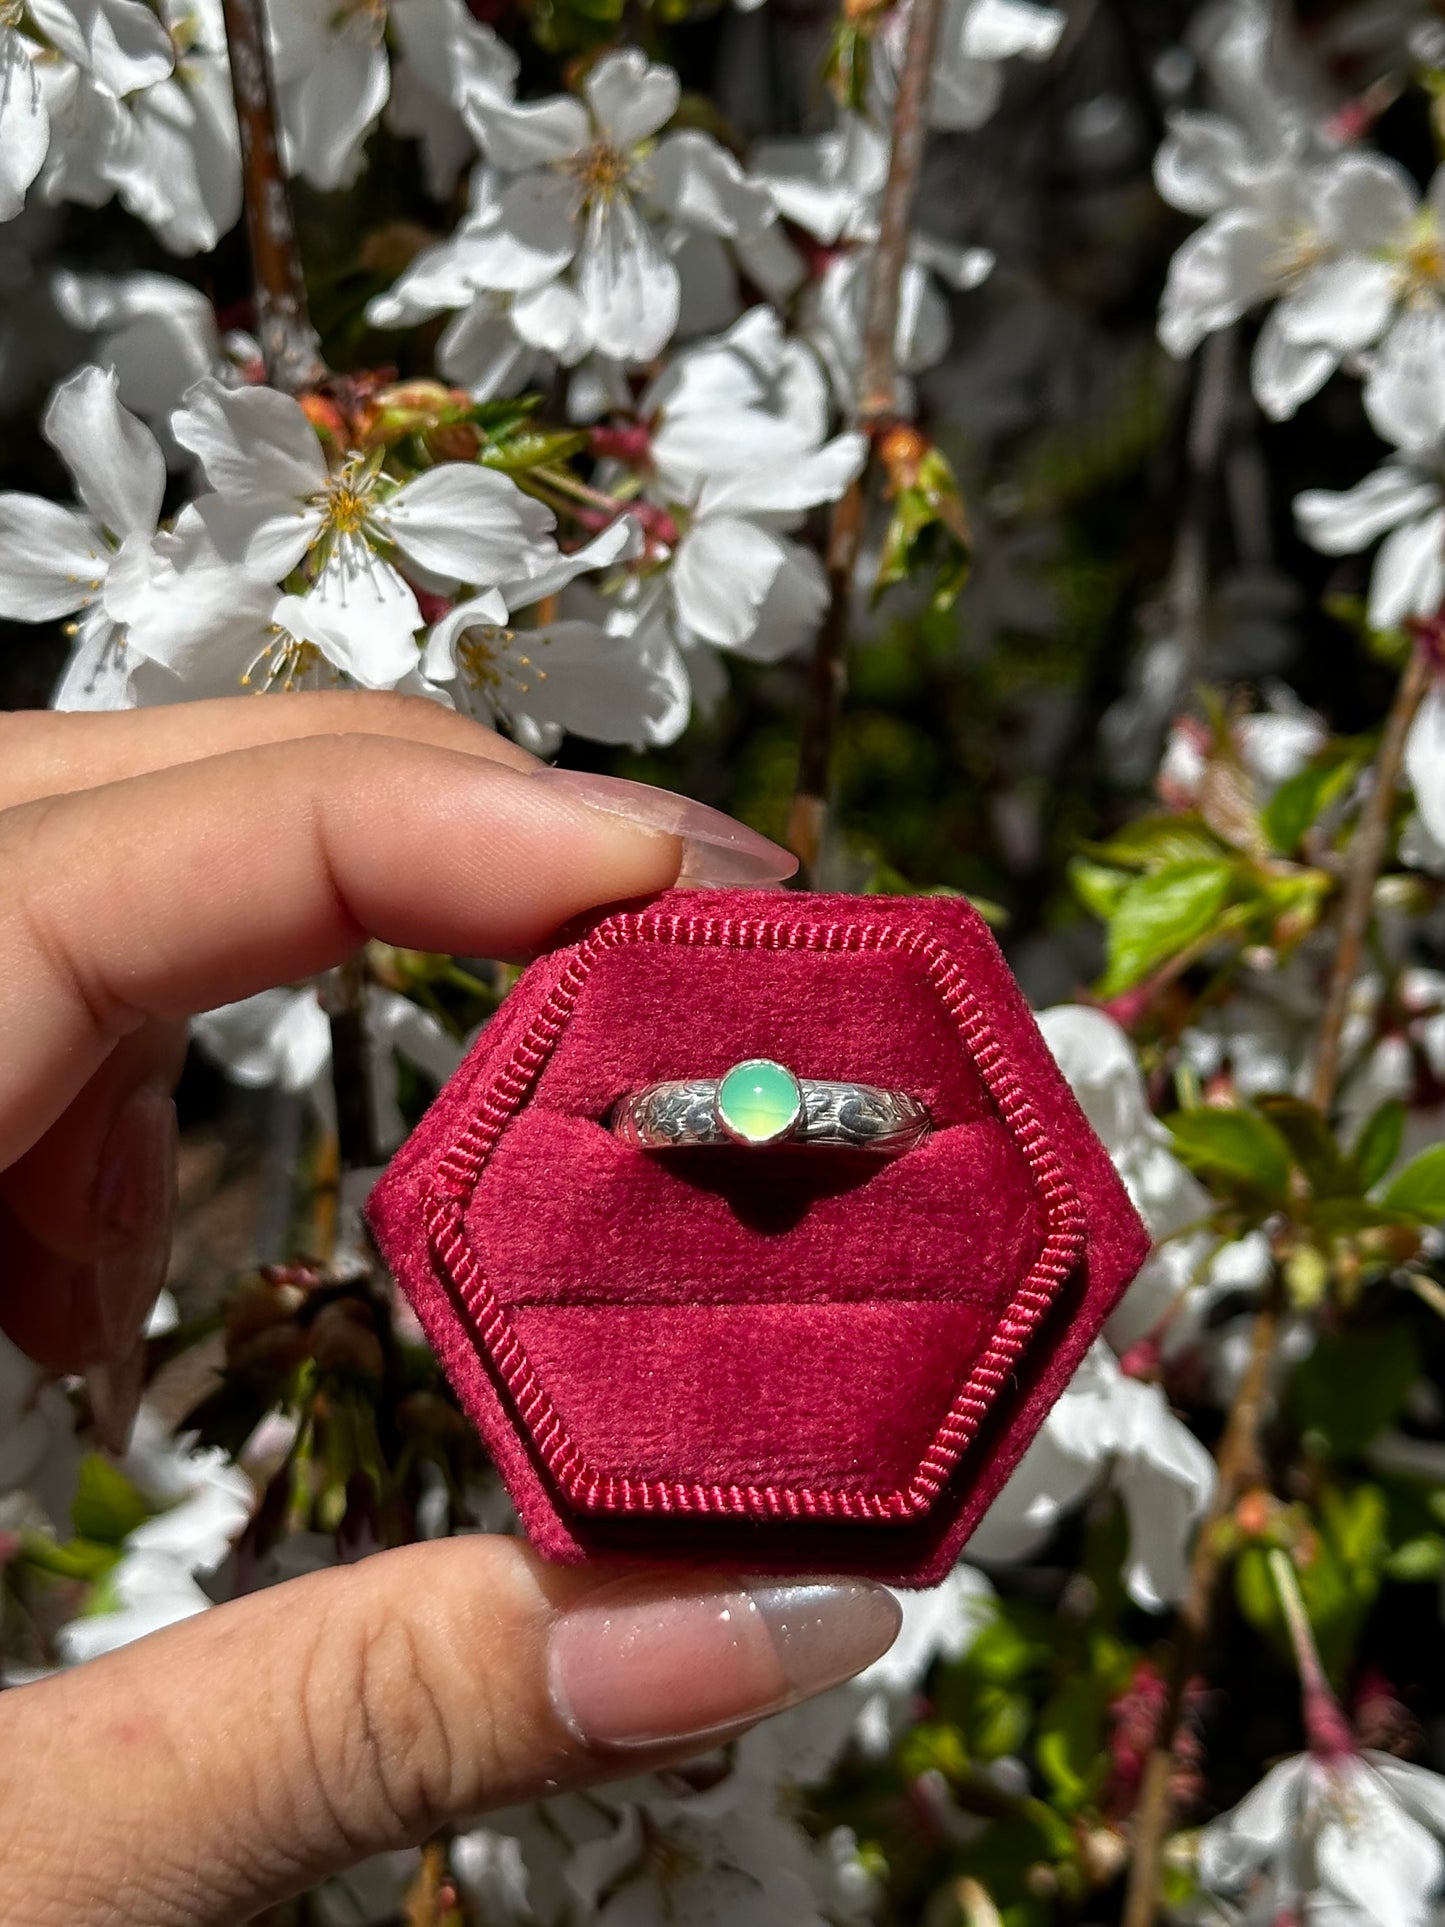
{"type": "Point", "coordinates": [1152, 841]}
{"type": "Point", "coordinates": [1378, 1144]}
{"type": "Point", "coordinates": [1303, 798]}
{"type": "Point", "coordinates": [1351, 1385]}
{"type": "Point", "coordinates": [107, 1506]}
{"type": "Point", "coordinates": [72, 1559]}
{"type": "Point", "coordinates": [1161, 914]}
{"type": "Point", "coordinates": [1312, 1144]}
{"type": "Point", "coordinates": [531, 448]}
{"type": "Point", "coordinates": [1069, 1743]}
{"type": "Point", "coordinates": [1420, 1187]}
{"type": "Point", "coordinates": [1238, 1145]}
{"type": "Point", "coordinates": [1097, 886]}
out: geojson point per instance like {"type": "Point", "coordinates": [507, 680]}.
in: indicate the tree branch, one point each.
{"type": "Point", "coordinates": [1367, 854]}
{"type": "Point", "coordinates": [1239, 1451]}
{"type": "Point", "coordinates": [291, 350]}
{"type": "Point", "coordinates": [289, 344]}
{"type": "Point", "coordinates": [828, 671]}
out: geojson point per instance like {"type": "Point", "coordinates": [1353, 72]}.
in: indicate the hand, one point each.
{"type": "Point", "coordinates": [154, 864]}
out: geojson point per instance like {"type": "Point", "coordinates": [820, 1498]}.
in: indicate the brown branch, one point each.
{"type": "Point", "coordinates": [289, 344]}
{"type": "Point", "coordinates": [1367, 854]}
{"type": "Point", "coordinates": [291, 351]}
{"type": "Point", "coordinates": [828, 671]}
{"type": "Point", "coordinates": [1239, 1460]}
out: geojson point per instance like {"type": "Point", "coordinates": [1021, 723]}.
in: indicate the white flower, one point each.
{"type": "Point", "coordinates": [201, 1504]}
{"type": "Point", "coordinates": [177, 165]}
{"type": "Point", "coordinates": [1108, 1426]}
{"type": "Point", "coordinates": [83, 562]}
{"type": "Point", "coordinates": [282, 1037]}
{"type": "Point", "coordinates": [974, 38]}
{"type": "Point", "coordinates": [1354, 1839]}
{"type": "Point", "coordinates": [575, 674]}
{"type": "Point", "coordinates": [593, 191]}
{"type": "Point", "coordinates": [444, 57]}
{"type": "Point", "coordinates": [276, 505]}
{"type": "Point", "coordinates": [156, 333]}
{"type": "Point", "coordinates": [1401, 500]}
{"type": "Point", "coordinates": [685, 1860]}
{"type": "Point", "coordinates": [332, 81]}
{"type": "Point", "coordinates": [24, 117]}
{"type": "Point", "coordinates": [831, 185]}
{"type": "Point", "coordinates": [1335, 237]}
{"type": "Point", "coordinates": [735, 579]}
{"type": "Point", "coordinates": [498, 339]}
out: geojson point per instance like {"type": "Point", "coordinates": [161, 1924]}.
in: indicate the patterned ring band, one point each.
{"type": "Point", "coordinates": [759, 1102]}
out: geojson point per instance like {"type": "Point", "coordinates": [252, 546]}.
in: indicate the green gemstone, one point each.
{"type": "Point", "coordinates": [759, 1101]}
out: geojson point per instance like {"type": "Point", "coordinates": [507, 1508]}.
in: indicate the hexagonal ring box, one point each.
{"type": "Point", "coordinates": [772, 1356]}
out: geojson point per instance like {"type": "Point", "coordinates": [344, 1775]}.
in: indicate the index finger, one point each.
{"type": "Point", "coordinates": [168, 893]}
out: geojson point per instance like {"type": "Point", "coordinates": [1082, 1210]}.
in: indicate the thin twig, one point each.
{"type": "Point", "coordinates": [289, 344]}
{"type": "Point", "coordinates": [291, 350]}
{"type": "Point", "coordinates": [1367, 853]}
{"type": "Point", "coordinates": [1239, 1451]}
{"type": "Point", "coordinates": [827, 675]}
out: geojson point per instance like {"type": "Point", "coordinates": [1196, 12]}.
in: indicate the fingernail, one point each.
{"type": "Point", "coordinates": [638, 1663]}
{"type": "Point", "coordinates": [717, 849]}
{"type": "Point", "coordinates": [115, 1387]}
{"type": "Point", "coordinates": [135, 1205]}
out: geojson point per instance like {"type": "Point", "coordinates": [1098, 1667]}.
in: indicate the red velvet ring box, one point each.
{"type": "Point", "coordinates": [778, 1359]}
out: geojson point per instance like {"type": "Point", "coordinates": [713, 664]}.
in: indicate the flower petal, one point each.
{"type": "Point", "coordinates": [482, 351]}
{"type": "Point", "coordinates": [534, 238]}
{"type": "Point", "coordinates": [555, 572]}
{"type": "Point", "coordinates": [464, 523]}
{"type": "Point", "coordinates": [120, 42]}
{"type": "Point", "coordinates": [250, 441]}
{"type": "Point", "coordinates": [361, 615]}
{"type": "Point", "coordinates": [630, 98]}
{"type": "Point", "coordinates": [1409, 573]}
{"type": "Point", "coordinates": [820, 476]}
{"type": "Point", "coordinates": [722, 572]}
{"type": "Point", "coordinates": [1201, 162]}
{"type": "Point", "coordinates": [552, 319]}
{"type": "Point", "coordinates": [1371, 1852]}
{"type": "Point", "coordinates": [328, 112]}
{"type": "Point", "coordinates": [52, 561]}
{"type": "Point", "coordinates": [700, 184]}
{"type": "Point", "coordinates": [1218, 273]}
{"type": "Point", "coordinates": [1009, 29]}
{"type": "Point", "coordinates": [1345, 303]}
{"type": "Point", "coordinates": [629, 289]}
{"type": "Point", "coordinates": [1341, 522]}
{"type": "Point", "coordinates": [1283, 372]}
{"type": "Point", "coordinates": [521, 134]}
{"type": "Point", "coordinates": [24, 124]}
{"type": "Point", "coordinates": [1405, 392]}
{"type": "Point", "coordinates": [119, 471]}
{"type": "Point", "coordinates": [1364, 202]}
{"type": "Point", "coordinates": [1425, 761]}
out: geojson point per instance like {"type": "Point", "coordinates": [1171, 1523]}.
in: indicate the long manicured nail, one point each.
{"type": "Point", "coordinates": [115, 1387]}
{"type": "Point", "coordinates": [717, 849]}
{"type": "Point", "coordinates": [639, 1662]}
{"type": "Point", "coordinates": [135, 1201]}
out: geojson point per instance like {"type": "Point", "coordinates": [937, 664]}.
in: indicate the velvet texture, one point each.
{"type": "Point", "coordinates": [782, 1359]}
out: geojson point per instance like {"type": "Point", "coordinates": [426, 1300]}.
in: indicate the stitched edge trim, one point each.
{"type": "Point", "coordinates": [592, 1491]}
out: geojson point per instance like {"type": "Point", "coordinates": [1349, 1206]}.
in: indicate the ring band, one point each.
{"type": "Point", "coordinates": [760, 1102]}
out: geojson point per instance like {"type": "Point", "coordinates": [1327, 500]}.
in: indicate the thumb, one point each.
{"type": "Point", "coordinates": [229, 1761]}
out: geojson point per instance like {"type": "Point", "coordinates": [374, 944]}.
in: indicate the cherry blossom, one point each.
{"type": "Point", "coordinates": [276, 504]}
{"type": "Point", "coordinates": [591, 189]}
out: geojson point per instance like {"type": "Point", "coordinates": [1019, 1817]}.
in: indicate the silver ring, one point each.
{"type": "Point", "coordinates": [760, 1102]}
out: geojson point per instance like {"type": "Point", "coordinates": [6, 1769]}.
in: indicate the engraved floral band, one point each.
{"type": "Point", "coordinates": [759, 1102]}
